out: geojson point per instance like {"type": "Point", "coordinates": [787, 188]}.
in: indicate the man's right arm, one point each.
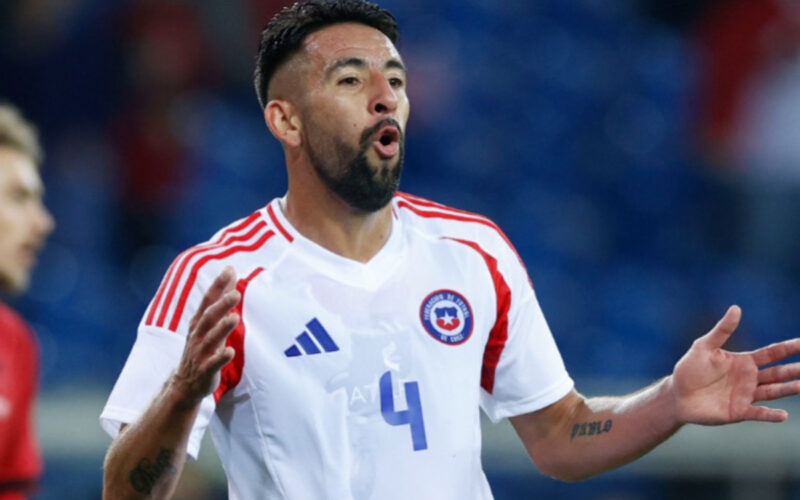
{"type": "Point", "coordinates": [146, 459]}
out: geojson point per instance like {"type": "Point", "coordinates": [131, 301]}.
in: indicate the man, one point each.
{"type": "Point", "coordinates": [366, 328]}
{"type": "Point", "coordinates": [24, 225]}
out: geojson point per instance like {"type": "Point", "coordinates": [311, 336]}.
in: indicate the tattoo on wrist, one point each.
{"type": "Point", "coordinates": [146, 474]}
{"type": "Point", "coordinates": [590, 428]}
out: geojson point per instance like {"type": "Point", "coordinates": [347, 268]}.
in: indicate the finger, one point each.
{"type": "Point", "coordinates": [764, 414]}
{"type": "Point", "coordinates": [219, 333]}
{"type": "Point", "coordinates": [216, 312]}
{"type": "Point", "coordinates": [776, 391]}
{"type": "Point", "coordinates": [220, 359]}
{"type": "Point", "coordinates": [222, 283]}
{"type": "Point", "coordinates": [776, 352]}
{"type": "Point", "coordinates": [780, 373]}
{"type": "Point", "coordinates": [722, 330]}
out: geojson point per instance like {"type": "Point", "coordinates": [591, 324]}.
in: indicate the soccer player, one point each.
{"type": "Point", "coordinates": [24, 225]}
{"type": "Point", "coordinates": [341, 341]}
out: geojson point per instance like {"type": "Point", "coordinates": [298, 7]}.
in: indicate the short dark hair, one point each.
{"type": "Point", "coordinates": [285, 32]}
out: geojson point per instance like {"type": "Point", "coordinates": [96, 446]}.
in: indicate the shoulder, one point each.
{"type": "Point", "coordinates": [240, 245]}
{"type": "Point", "coordinates": [16, 333]}
{"type": "Point", "coordinates": [441, 221]}
{"type": "Point", "coordinates": [11, 323]}
{"type": "Point", "coordinates": [233, 245]}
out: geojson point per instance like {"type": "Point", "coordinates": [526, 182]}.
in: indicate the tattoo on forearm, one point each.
{"type": "Point", "coordinates": [590, 428]}
{"type": "Point", "coordinates": [146, 474]}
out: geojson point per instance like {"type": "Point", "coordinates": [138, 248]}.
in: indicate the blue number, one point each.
{"type": "Point", "coordinates": [412, 416]}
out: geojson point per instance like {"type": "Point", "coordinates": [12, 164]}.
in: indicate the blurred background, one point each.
{"type": "Point", "coordinates": [643, 156]}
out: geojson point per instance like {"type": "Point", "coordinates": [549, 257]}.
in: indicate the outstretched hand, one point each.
{"type": "Point", "coordinates": [205, 353]}
{"type": "Point", "coordinates": [713, 386]}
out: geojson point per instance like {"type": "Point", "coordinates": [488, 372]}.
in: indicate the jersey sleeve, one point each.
{"type": "Point", "coordinates": [522, 368]}
{"type": "Point", "coordinates": [155, 355]}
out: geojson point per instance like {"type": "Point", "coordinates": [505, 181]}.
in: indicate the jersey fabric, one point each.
{"type": "Point", "coordinates": [20, 460]}
{"type": "Point", "coordinates": [355, 380]}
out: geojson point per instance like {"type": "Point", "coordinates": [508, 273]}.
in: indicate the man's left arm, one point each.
{"type": "Point", "coordinates": [576, 437]}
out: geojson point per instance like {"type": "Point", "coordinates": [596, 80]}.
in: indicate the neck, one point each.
{"type": "Point", "coordinates": [322, 217]}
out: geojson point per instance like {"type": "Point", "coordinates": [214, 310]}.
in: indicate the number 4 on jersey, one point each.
{"type": "Point", "coordinates": [412, 416]}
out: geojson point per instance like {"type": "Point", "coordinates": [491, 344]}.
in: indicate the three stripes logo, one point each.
{"type": "Point", "coordinates": [312, 341]}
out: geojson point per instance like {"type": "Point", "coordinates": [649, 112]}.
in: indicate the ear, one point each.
{"type": "Point", "coordinates": [284, 122]}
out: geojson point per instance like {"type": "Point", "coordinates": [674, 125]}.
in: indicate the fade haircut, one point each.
{"type": "Point", "coordinates": [285, 32]}
{"type": "Point", "coordinates": [19, 134]}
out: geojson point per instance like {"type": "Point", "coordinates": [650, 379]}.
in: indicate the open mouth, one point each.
{"type": "Point", "coordinates": [387, 143]}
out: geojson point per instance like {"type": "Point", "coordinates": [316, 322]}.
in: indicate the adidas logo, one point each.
{"type": "Point", "coordinates": [306, 340]}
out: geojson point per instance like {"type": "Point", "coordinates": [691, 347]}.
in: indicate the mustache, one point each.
{"type": "Point", "coordinates": [366, 136]}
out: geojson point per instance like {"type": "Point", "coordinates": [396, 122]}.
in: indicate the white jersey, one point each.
{"type": "Point", "coordinates": [355, 380]}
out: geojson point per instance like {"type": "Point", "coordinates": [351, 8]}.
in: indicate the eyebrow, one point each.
{"type": "Point", "coordinates": [396, 64]}
{"type": "Point", "coordinates": [357, 62]}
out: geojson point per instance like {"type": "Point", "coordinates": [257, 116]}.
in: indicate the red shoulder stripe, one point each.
{"type": "Point", "coordinates": [185, 254]}
{"type": "Point", "coordinates": [428, 214]}
{"type": "Point", "coordinates": [252, 230]}
{"type": "Point", "coordinates": [231, 373]}
{"type": "Point", "coordinates": [414, 203]}
{"type": "Point", "coordinates": [499, 333]}
{"type": "Point", "coordinates": [277, 223]}
{"type": "Point", "coordinates": [176, 317]}
{"type": "Point", "coordinates": [432, 204]}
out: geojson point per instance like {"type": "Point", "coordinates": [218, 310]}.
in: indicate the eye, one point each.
{"type": "Point", "coordinates": [19, 195]}
{"type": "Point", "coordinates": [348, 80]}
{"type": "Point", "coordinates": [396, 82]}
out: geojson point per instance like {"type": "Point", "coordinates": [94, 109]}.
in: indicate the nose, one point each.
{"type": "Point", "coordinates": [384, 98]}
{"type": "Point", "coordinates": [44, 220]}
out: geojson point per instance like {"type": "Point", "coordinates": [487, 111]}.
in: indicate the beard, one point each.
{"type": "Point", "coordinates": [348, 173]}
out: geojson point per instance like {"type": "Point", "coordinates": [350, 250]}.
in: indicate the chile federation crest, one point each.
{"type": "Point", "coordinates": [447, 317]}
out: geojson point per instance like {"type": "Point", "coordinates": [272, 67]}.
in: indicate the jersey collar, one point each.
{"type": "Point", "coordinates": [366, 274]}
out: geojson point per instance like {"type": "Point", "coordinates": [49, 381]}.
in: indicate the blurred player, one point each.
{"type": "Point", "coordinates": [368, 327]}
{"type": "Point", "coordinates": [24, 225]}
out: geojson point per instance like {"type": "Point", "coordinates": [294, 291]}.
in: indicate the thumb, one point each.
{"type": "Point", "coordinates": [722, 330]}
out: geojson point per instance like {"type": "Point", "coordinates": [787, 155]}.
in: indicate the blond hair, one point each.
{"type": "Point", "coordinates": [19, 134]}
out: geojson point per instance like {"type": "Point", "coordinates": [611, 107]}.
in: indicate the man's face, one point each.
{"type": "Point", "coordinates": [24, 221]}
{"type": "Point", "coordinates": [354, 113]}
